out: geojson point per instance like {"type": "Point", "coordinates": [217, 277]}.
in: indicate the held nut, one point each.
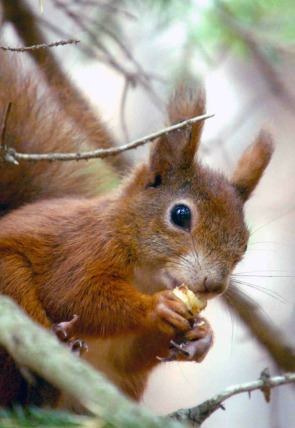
{"type": "Point", "coordinates": [193, 303]}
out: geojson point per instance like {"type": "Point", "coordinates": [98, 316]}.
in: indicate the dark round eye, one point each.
{"type": "Point", "coordinates": [181, 216]}
{"type": "Point", "coordinates": [245, 249]}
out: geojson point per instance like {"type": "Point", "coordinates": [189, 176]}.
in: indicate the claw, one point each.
{"type": "Point", "coordinates": [63, 330]}
{"type": "Point", "coordinates": [77, 346]}
{"type": "Point", "coordinates": [179, 348]}
{"type": "Point", "coordinates": [193, 345]}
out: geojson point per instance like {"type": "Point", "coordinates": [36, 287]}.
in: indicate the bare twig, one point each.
{"type": "Point", "coordinates": [41, 46]}
{"type": "Point", "coordinates": [134, 77]}
{"type": "Point", "coordinates": [3, 146]}
{"type": "Point", "coordinates": [200, 413]}
{"type": "Point", "coordinates": [101, 153]}
{"type": "Point", "coordinates": [24, 20]}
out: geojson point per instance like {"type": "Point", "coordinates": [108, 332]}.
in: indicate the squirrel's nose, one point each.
{"type": "Point", "coordinates": [214, 286]}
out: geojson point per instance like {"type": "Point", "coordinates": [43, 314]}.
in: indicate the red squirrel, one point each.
{"type": "Point", "coordinates": [114, 260]}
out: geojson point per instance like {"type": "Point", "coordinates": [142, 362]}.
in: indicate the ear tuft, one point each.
{"type": "Point", "coordinates": [177, 149]}
{"type": "Point", "coordinates": [252, 164]}
{"type": "Point", "coordinates": [186, 104]}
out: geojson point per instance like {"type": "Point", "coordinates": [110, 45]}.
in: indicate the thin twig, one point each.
{"type": "Point", "coordinates": [200, 413]}
{"type": "Point", "coordinates": [41, 46]}
{"type": "Point", "coordinates": [101, 153]}
{"type": "Point", "coordinates": [3, 146]}
{"type": "Point", "coordinates": [20, 15]}
{"type": "Point", "coordinates": [135, 77]}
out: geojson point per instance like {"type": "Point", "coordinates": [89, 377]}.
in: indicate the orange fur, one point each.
{"type": "Point", "coordinates": [114, 260]}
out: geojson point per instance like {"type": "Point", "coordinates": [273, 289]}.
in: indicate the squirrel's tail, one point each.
{"type": "Point", "coordinates": [37, 123]}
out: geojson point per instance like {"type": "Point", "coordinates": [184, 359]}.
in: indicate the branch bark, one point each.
{"type": "Point", "coordinates": [33, 347]}
{"type": "Point", "coordinates": [200, 413]}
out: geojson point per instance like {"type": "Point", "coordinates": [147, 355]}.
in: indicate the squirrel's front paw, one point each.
{"type": "Point", "coordinates": [194, 344]}
{"type": "Point", "coordinates": [170, 313]}
{"type": "Point", "coordinates": [64, 332]}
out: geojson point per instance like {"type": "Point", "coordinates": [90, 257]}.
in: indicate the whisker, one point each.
{"type": "Point", "coordinates": [180, 256]}
{"type": "Point", "coordinates": [231, 314]}
{"type": "Point", "coordinates": [183, 261]}
{"type": "Point", "coordinates": [233, 289]}
{"type": "Point", "coordinates": [208, 254]}
{"type": "Point", "coordinates": [262, 249]}
{"type": "Point", "coordinates": [274, 219]}
{"type": "Point", "coordinates": [264, 276]}
{"type": "Point", "coordinates": [181, 264]}
{"type": "Point", "coordinates": [267, 242]}
{"type": "Point", "coordinates": [194, 250]}
{"type": "Point", "coordinates": [259, 271]}
{"type": "Point", "coordinates": [264, 290]}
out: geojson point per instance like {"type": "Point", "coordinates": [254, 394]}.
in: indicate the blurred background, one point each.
{"type": "Point", "coordinates": [130, 57]}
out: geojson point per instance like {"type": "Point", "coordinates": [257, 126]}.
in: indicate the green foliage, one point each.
{"type": "Point", "coordinates": [34, 417]}
{"type": "Point", "coordinates": [270, 22]}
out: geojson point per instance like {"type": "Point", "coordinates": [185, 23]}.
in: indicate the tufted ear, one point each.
{"type": "Point", "coordinates": [252, 164]}
{"type": "Point", "coordinates": [177, 149]}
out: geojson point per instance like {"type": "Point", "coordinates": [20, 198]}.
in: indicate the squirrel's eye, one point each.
{"type": "Point", "coordinates": [181, 216]}
{"type": "Point", "coordinates": [245, 249]}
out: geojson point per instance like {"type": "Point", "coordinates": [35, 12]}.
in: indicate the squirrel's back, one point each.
{"type": "Point", "coordinates": [37, 123]}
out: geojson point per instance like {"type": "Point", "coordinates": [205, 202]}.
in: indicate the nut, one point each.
{"type": "Point", "coordinates": [194, 304]}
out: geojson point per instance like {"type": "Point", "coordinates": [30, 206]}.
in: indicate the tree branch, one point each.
{"type": "Point", "coordinates": [200, 413]}
{"type": "Point", "coordinates": [36, 349]}
{"type": "Point", "coordinates": [3, 146]}
{"type": "Point", "coordinates": [75, 105]}
{"type": "Point", "coordinates": [43, 45]}
{"type": "Point", "coordinates": [270, 337]}
{"type": "Point", "coordinates": [12, 156]}
{"type": "Point", "coordinates": [33, 347]}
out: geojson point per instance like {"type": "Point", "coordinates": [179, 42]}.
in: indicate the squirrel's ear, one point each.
{"type": "Point", "coordinates": [252, 164]}
{"type": "Point", "coordinates": [177, 149]}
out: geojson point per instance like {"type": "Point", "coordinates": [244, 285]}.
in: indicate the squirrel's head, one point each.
{"type": "Point", "coordinates": [189, 220]}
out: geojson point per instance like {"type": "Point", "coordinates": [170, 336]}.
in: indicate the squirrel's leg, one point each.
{"type": "Point", "coordinates": [17, 281]}
{"type": "Point", "coordinates": [128, 361]}
{"type": "Point", "coordinates": [139, 361]}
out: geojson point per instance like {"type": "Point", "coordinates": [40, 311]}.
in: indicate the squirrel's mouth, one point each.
{"type": "Point", "coordinates": [204, 293]}
{"type": "Point", "coordinates": [176, 283]}
{"type": "Point", "coordinates": [173, 282]}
